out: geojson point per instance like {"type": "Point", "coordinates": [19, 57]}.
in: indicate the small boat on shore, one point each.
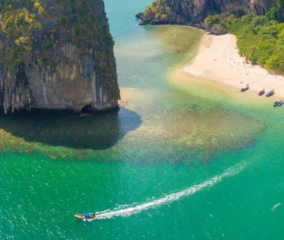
{"type": "Point", "coordinates": [245, 88]}
{"type": "Point", "coordinates": [271, 93]}
{"type": "Point", "coordinates": [85, 216]}
{"type": "Point", "coordinates": [276, 103]}
{"type": "Point", "coordinates": [261, 92]}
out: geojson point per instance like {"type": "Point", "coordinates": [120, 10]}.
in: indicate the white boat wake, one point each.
{"type": "Point", "coordinates": [275, 206]}
{"type": "Point", "coordinates": [125, 211]}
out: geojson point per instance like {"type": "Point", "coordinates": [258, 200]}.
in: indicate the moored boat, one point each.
{"type": "Point", "coordinates": [261, 92]}
{"type": "Point", "coordinates": [280, 103]}
{"type": "Point", "coordinates": [276, 103]}
{"type": "Point", "coordinates": [269, 94]}
{"type": "Point", "coordinates": [85, 216]}
{"type": "Point", "coordinates": [245, 88]}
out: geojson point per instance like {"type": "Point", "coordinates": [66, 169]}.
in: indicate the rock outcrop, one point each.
{"type": "Point", "coordinates": [193, 12]}
{"type": "Point", "coordinates": [217, 29]}
{"type": "Point", "coordinates": [56, 55]}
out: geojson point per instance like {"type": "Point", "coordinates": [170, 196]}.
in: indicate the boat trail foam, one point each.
{"type": "Point", "coordinates": [275, 206]}
{"type": "Point", "coordinates": [127, 210]}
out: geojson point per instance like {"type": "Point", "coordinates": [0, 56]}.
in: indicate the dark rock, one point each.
{"type": "Point", "coordinates": [218, 30]}
{"type": "Point", "coordinates": [59, 71]}
{"type": "Point", "coordinates": [195, 11]}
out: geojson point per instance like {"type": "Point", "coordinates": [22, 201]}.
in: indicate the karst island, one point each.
{"type": "Point", "coordinates": [141, 119]}
{"type": "Point", "coordinates": [56, 55]}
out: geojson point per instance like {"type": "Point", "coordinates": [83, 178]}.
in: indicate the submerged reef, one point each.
{"type": "Point", "coordinates": [56, 55]}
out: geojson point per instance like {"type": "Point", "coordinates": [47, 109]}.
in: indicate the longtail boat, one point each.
{"type": "Point", "coordinates": [245, 88]}
{"type": "Point", "coordinates": [261, 92]}
{"type": "Point", "coordinates": [271, 93]}
{"type": "Point", "coordinates": [85, 216]}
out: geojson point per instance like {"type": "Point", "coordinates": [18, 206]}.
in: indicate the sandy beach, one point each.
{"type": "Point", "coordinates": [218, 59]}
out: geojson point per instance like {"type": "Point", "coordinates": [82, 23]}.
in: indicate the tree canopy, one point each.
{"type": "Point", "coordinates": [260, 38]}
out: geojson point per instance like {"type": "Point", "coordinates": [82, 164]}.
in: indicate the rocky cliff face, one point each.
{"type": "Point", "coordinates": [195, 11]}
{"type": "Point", "coordinates": [56, 55]}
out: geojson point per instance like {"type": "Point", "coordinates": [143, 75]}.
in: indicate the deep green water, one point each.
{"type": "Point", "coordinates": [174, 163]}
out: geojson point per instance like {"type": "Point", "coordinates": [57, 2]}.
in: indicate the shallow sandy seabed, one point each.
{"type": "Point", "coordinates": [215, 130]}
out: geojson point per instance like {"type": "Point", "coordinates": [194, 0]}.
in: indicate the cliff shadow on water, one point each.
{"type": "Point", "coordinates": [96, 132]}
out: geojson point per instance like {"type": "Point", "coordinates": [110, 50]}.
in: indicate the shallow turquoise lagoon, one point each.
{"type": "Point", "coordinates": [174, 163]}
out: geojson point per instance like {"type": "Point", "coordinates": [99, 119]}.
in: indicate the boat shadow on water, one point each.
{"type": "Point", "coordinates": [96, 132]}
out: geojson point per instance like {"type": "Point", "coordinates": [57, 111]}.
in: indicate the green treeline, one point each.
{"type": "Point", "coordinates": [260, 38]}
{"type": "Point", "coordinates": [159, 9]}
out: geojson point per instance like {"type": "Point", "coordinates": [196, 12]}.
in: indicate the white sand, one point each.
{"type": "Point", "coordinates": [218, 59]}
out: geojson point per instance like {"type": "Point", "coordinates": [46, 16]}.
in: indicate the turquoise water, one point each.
{"type": "Point", "coordinates": [188, 161]}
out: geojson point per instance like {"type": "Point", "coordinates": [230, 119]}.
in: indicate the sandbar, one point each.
{"type": "Point", "coordinates": [218, 59]}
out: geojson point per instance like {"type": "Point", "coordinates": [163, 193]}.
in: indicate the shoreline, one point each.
{"type": "Point", "coordinates": [218, 60]}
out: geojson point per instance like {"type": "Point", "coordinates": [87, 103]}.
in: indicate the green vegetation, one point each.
{"type": "Point", "coordinates": [34, 32]}
{"type": "Point", "coordinates": [158, 9]}
{"type": "Point", "coordinates": [260, 38]}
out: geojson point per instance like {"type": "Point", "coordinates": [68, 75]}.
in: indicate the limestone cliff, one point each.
{"type": "Point", "coordinates": [56, 55]}
{"type": "Point", "coordinates": [195, 11]}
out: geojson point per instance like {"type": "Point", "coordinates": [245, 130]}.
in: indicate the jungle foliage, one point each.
{"type": "Point", "coordinates": [159, 9]}
{"type": "Point", "coordinates": [260, 38]}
